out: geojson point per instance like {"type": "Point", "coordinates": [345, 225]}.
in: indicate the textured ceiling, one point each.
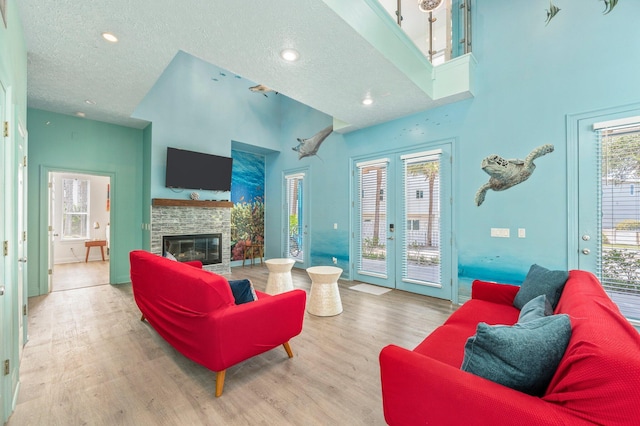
{"type": "Point", "coordinates": [69, 62]}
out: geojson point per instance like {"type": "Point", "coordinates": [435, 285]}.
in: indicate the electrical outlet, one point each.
{"type": "Point", "coordinates": [500, 232]}
{"type": "Point", "coordinates": [335, 260]}
{"type": "Point", "coordinates": [522, 233]}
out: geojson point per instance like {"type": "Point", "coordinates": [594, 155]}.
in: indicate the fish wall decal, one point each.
{"type": "Point", "coordinates": [261, 88]}
{"type": "Point", "coordinates": [310, 146]}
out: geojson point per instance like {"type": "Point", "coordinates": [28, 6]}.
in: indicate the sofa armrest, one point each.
{"type": "Point", "coordinates": [242, 331]}
{"type": "Point", "coordinates": [194, 263]}
{"type": "Point", "coordinates": [494, 292]}
{"type": "Point", "coordinates": [418, 390]}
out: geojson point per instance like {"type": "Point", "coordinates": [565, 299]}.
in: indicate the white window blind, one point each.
{"type": "Point", "coordinates": [619, 209]}
{"type": "Point", "coordinates": [422, 251]}
{"type": "Point", "coordinates": [294, 193]}
{"type": "Point", "coordinates": [371, 235]}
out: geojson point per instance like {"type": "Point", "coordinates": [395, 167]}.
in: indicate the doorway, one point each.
{"type": "Point", "coordinates": [295, 226]}
{"type": "Point", "coordinates": [402, 220]}
{"type": "Point", "coordinates": [605, 239]}
{"type": "Point", "coordinates": [79, 230]}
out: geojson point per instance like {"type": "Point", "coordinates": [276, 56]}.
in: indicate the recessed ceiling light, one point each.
{"type": "Point", "coordinates": [367, 101]}
{"type": "Point", "coordinates": [80, 114]}
{"type": "Point", "coordinates": [290, 55]}
{"type": "Point", "coordinates": [89, 102]}
{"type": "Point", "coordinates": [110, 37]}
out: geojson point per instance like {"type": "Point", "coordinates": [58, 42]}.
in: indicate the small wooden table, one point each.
{"type": "Point", "coordinates": [94, 243]}
{"type": "Point", "coordinates": [253, 251]}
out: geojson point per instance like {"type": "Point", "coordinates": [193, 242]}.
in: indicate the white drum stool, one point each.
{"type": "Point", "coordinates": [279, 279]}
{"type": "Point", "coordinates": [324, 300]}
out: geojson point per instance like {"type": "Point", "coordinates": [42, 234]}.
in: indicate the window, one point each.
{"type": "Point", "coordinates": [294, 187]}
{"type": "Point", "coordinates": [421, 262]}
{"type": "Point", "coordinates": [75, 209]}
{"type": "Point", "coordinates": [419, 193]}
{"type": "Point", "coordinates": [619, 257]}
{"type": "Point", "coordinates": [413, 225]}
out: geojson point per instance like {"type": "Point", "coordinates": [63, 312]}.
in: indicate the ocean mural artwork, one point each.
{"type": "Point", "coordinates": [247, 213]}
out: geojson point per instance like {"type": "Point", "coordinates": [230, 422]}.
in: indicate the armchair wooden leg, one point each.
{"type": "Point", "coordinates": [220, 382]}
{"type": "Point", "coordinates": [288, 349]}
{"type": "Point", "coordinates": [142, 318]}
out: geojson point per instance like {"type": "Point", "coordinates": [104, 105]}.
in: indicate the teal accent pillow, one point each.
{"type": "Point", "coordinates": [523, 357]}
{"type": "Point", "coordinates": [243, 291]}
{"type": "Point", "coordinates": [539, 281]}
{"type": "Point", "coordinates": [538, 307]}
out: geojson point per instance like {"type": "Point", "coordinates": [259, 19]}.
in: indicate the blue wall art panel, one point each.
{"type": "Point", "coordinates": [247, 214]}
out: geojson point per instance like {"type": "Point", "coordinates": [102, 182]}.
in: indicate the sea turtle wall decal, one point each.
{"type": "Point", "coordinates": [507, 173]}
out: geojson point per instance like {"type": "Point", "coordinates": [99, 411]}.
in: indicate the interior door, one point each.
{"type": "Point", "coordinates": [51, 230]}
{"type": "Point", "coordinates": [22, 236]}
{"type": "Point", "coordinates": [4, 297]}
{"type": "Point", "coordinates": [595, 237]}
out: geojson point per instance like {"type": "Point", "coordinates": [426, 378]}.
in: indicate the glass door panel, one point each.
{"type": "Point", "coordinates": [296, 227]}
{"type": "Point", "coordinates": [373, 229]}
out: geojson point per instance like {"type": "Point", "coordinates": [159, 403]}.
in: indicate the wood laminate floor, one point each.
{"type": "Point", "coordinates": [91, 361]}
{"type": "Point", "coordinates": [68, 276]}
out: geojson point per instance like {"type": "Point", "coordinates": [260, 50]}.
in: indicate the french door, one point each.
{"type": "Point", "coordinates": [296, 228]}
{"type": "Point", "coordinates": [402, 221]}
{"type": "Point", "coordinates": [604, 180]}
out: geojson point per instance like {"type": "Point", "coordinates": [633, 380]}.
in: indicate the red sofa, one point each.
{"type": "Point", "coordinates": [596, 382]}
{"type": "Point", "coordinates": [194, 310]}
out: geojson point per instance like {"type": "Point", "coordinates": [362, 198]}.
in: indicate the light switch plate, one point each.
{"type": "Point", "coordinates": [500, 232]}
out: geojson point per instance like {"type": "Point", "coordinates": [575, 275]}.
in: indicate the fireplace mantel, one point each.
{"type": "Point", "coordinates": [167, 202]}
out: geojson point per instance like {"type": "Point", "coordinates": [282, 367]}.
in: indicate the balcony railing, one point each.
{"type": "Point", "coordinates": [440, 29]}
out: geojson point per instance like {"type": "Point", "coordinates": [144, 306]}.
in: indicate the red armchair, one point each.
{"type": "Point", "coordinates": [195, 312]}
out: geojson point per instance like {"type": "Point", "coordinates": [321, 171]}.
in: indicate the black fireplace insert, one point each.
{"type": "Point", "coordinates": [207, 248]}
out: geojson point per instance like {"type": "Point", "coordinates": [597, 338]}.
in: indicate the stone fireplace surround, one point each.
{"type": "Point", "coordinates": [188, 217]}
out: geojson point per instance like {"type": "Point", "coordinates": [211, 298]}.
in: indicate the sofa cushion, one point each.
{"type": "Point", "coordinates": [523, 357]}
{"type": "Point", "coordinates": [538, 307]}
{"type": "Point", "coordinates": [539, 281]}
{"type": "Point", "coordinates": [243, 291]}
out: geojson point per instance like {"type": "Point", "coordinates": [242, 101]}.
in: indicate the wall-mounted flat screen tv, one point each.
{"type": "Point", "coordinates": [197, 170]}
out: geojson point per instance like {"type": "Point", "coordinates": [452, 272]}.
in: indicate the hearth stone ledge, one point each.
{"type": "Point", "coordinates": [184, 219]}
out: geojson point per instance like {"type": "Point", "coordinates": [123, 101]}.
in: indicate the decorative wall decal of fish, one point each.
{"type": "Point", "coordinates": [261, 88]}
{"type": "Point", "coordinates": [310, 146]}
{"type": "Point", "coordinates": [507, 173]}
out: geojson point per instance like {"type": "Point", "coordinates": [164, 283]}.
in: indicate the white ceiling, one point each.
{"type": "Point", "coordinates": [69, 62]}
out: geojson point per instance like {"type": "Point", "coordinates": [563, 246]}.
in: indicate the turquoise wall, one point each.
{"type": "Point", "coordinates": [327, 179]}
{"type": "Point", "coordinates": [529, 77]}
{"type": "Point", "coordinates": [200, 107]}
{"type": "Point", "coordinates": [61, 142]}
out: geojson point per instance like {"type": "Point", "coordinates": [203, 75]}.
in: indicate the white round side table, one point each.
{"type": "Point", "coordinates": [324, 299]}
{"type": "Point", "coordinates": [279, 279]}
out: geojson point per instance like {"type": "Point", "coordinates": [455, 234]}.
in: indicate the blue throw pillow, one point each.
{"type": "Point", "coordinates": [523, 357]}
{"type": "Point", "coordinates": [243, 291]}
{"type": "Point", "coordinates": [535, 308]}
{"type": "Point", "coordinates": [539, 281]}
